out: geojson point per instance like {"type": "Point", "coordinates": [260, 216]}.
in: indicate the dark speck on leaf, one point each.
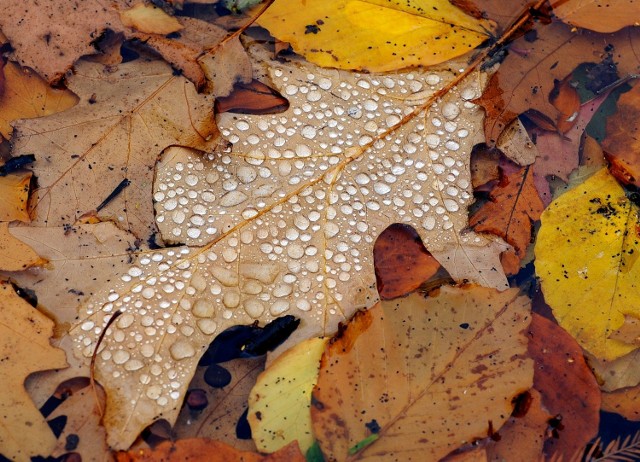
{"type": "Point", "coordinates": [373, 426]}
{"type": "Point", "coordinates": [311, 29]}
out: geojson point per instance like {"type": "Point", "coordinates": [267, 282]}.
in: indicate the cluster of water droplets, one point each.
{"type": "Point", "coordinates": [285, 222]}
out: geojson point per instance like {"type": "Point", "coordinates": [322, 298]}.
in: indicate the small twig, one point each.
{"type": "Point", "coordinates": [92, 365]}
{"type": "Point", "coordinates": [118, 189]}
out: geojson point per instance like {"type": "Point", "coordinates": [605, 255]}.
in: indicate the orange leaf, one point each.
{"type": "Point", "coordinates": [202, 449]}
{"type": "Point", "coordinates": [514, 204]}
{"type": "Point", "coordinates": [401, 261]}
{"type": "Point", "coordinates": [622, 144]}
{"type": "Point", "coordinates": [566, 100]}
{"type": "Point", "coordinates": [567, 385]}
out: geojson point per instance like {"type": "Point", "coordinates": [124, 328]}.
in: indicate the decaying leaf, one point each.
{"type": "Point", "coordinates": [14, 194]}
{"type": "Point", "coordinates": [526, 79]}
{"type": "Point", "coordinates": [124, 120]}
{"type": "Point", "coordinates": [285, 224]}
{"type": "Point", "coordinates": [402, 263]}
{"type": "Point", "coordinates": [622, 143]}
{"type": "Point", "coordinates": [195, 449]}
{"type": "Point", "coordinates": [586, 254]}
{"type": "Point", "coordinates": [28, 96]}
{"type": "Point", "coordinates": [567, 385]}
{"type": "Point", "coordinates": [522, 436]}
{"type": "Point", "coordinates": [355, 34]}
{"type": "Point", "coordinates": [24, 348]}
{"type": "Point", "coordinates": [280, 400]}
{"type": "Point", "coordinates": [513, 207]}
{"type": "Point", "coordinates": [15, 255]}
{"type": "Point", "coordinates": [598, 15]}
{"type": "Point", "coordinates": [415, 378]}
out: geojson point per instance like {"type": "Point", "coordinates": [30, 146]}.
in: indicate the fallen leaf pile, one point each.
{"type": "Point", "coordinates": [319, 230]}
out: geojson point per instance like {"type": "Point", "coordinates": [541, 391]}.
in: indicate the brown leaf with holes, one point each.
{"type": "Point", "coordinates": [567, 386]}
{"type": "Point", "coordinates": [206, 450]}
{"type": "Point", "coordinates": [401, 261]}
{"type": "Point", "coordinates": [514, 206]}
{"type": "Point", "coordinates": [526, 78]}
{"type": "Point", "coordinates": [622, 143]}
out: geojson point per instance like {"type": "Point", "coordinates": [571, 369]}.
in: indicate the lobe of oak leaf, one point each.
{"type": "Point", "coordinates": [15, 255]}
{"type": "Point", "coordinates": [24, 348]}
{"type": "Point", "coordinates": [355, 34]}
{"type": "Point", "coordinates": [14, 194]}
{"type": "Point", "coordinates": [285, 222]}
{"type": "Point", "coordinates": [124, 120]}
{"type": "Point", "coordinates": [514, 205]}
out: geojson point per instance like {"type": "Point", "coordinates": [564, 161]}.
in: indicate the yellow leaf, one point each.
{"type": "Point", "coordinates": [27, 96]}
{"type": "Point", "coordinates": [149, 19]}
{"type": "Point", "coordinates": [14, 193]}
{"type": "Point", "coordinates": [375, 35]}
{"type": "Point", "coordinates": [24, 348]}
{"type": "Point", "coordinates": [275, 422]}
{"type": "Point", "coordinates": [415, 378]}
{"type": "Point", "coordinates": [15, 255]}
{"type": "Point", "coordinates": [586, 256]}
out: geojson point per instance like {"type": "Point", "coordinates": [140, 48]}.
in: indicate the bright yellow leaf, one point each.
{"type": "Point", "coordinates": [586, 255]}
{"type": "Point", "coordinates": [375, 35]}
{"type": "Point", "coordinates": [27, 96]}
{"type": "Point", "coordinates": [276, 422]}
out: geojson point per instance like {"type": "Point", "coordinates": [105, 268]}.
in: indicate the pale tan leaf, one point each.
{"type": "Point", "coordinates": [15, 255]}
{"type": "Point", "coordinates": [24, 348]}
{"type": "Point", "coordinates": [124, 120]}
{"type": "Point", "coordinates": [149, 19]}
{"type": "Point", "coordinates": [415, 378]}
{"type": "Point", "coordinates": [285, 223]}
{"type": "Point", "coordinates": [598, 15]}
{"type": "Point", "coordinates": [83, 420]}
{"type": "Point", "coordinates": [618, 373]}
{"type": "Point", "coordinates": [14, 194]}
{"type": "Point", "coordinates": [76, 256]}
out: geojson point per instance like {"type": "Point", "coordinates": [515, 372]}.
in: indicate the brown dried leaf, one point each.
{"type": "Point", "coordinates": [126, 118]}
{"type": "Point", "coordinates": [524, 81]}
{"type": "Point", "coordinates": [15, 255]}
{"type": "Point", "coordinates": [24, 349]}
{"type": "Point", "coordinates": [14, 194]}
{"type": "Point", "coordinates": [514, 206]}
{"type": "Point", "coordinates": [618, 373]}
{"type": "Point", "coordinates": [205, 450]}
{"type": "Point", "coordinates": [401, 261]}
{"type": "Point", "coordinates": [622, 143]}
{"type": "Point", "coordinates": [625, 402]}
{"type": "Point", "coordinates": [567, 385]}
{"type": "Point", "coordinates": [598, 15]}
{"type": "Point", "coordinates": [418, 377]}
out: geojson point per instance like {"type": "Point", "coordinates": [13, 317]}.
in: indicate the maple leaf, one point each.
{"type": "Point", "coordinates": [285, 223]}
{"type": "Point", "coordinates": [124, 119]}
{"type": "Point", "coordinates": [24, 349]}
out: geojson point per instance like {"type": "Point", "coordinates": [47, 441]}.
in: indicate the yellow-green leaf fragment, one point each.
{"type": "Point", "coordinates": [586, 259]}
{"type": "Point", "coordinates": [375, 35]}
{"type": "Point", "coordinates": [280, 400]}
